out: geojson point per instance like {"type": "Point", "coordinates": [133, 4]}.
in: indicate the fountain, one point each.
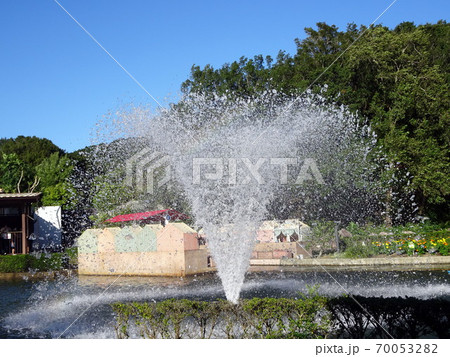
{"type": "Point", "coordinates": [235, 161]}
{"type": "Point", "coordinates": [234, 157]}
{"type": "Point", "coordinates": [46, 309]}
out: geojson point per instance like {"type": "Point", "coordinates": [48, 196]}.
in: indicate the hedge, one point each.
{"type": "Point", "coordinates": [253, 318]}
{"type": "Point", "coordinates": [37, 262]}
{"type": "Point", "coordinates": [14, 263]}
{"type": "Point", "coordinates": [305, 317]}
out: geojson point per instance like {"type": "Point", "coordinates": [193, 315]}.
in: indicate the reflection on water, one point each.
{"type": "Point", "coordinates": [47, 308]}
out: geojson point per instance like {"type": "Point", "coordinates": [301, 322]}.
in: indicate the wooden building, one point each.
{"type": "Point", "coordinates": [16, 221]}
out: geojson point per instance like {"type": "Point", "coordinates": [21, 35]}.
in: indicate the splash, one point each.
{"type": "Point", "coordinates": [240, 161]}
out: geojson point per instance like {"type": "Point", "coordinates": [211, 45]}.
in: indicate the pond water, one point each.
{"type": "Point", "coordinates": [79, 307]}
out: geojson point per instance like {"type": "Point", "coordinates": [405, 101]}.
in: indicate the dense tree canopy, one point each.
{"type": "Point", "coordinates": [397, 79]}
{"type": "Point", "coordinates": [35, 164]}
{"type": "Point", "coordinates": [15, 175]}
{"type": "Point", "coordinates": [30, 149]}
{"type": "Point", "coordinates": [53, 173]}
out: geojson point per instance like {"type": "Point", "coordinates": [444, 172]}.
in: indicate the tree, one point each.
{"type": "Point", "coordinates": [53, 173]}
{"type": "Point", "coordinates": [403, 88]}
{"type": "Point", "coordinates": [15, 175]}
{"type": "Point", "coordinates": [30, 149]}
{"type": "Point", "coordinates": [396, 79]}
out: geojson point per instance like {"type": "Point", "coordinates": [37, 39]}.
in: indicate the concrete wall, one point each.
{"type": "Point", "coordinates": [153, 250]}
{"type": "Point", "coordinates": [278, 250]}
{"type": "Point", "coordinates": [169, 239]}
{"type": "Point", "coordinates": [191, 241]}
{"type": "Point", "coordinates": [136, 239]}
{"type": "Point", "coordinates": [196, 261]}
{"type": "Point", "coordinates": [47, 227]}
{"type": "Point", "coordinates": [132, 263]}
{"type": "Point", "coordinates": [173, 238]}
{"type": "Point", "coordinates": [106, 240]}
{"type": "Point", "coordinates": [264, 236]}
{"type": "Point", "coordinates": [88, 242]}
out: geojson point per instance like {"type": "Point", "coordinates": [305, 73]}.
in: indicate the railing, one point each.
{"type": "Point", "coordinates": [11, 243]}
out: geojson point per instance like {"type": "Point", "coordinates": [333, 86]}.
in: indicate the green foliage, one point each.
{"type": "Point", "coordinates": [14, 173]}
{"type": "Point", "coordinates": [397, 79]}
{"type": "Point", "coordinates": [310, 316]}
{"type": "Point", "coordinates": [111, 194]}
{"type": "Point", "coordinates": [253, 318]}
{"type": "Point", "coordinates": [46, 262]}
{"type": "Point", "coordinates": [24, 161]}
{"type": "Point", "coordinates": [54, 169]}
{"type": "Point", "coordinates": [358, 250]}
{"type": "Point", "coordinates": [413, 246]}
{"type": "Point", "coordinates": [28, 160]}
{"type": "Point", "coordinates": [30, 149]}
{"type": "Point", "coordinates": [37, 262]}
{"type": "Point", "coordinates": [72, 257]}
{"type": "Point", "coordinates": [379, 317]}
{"type": "Point", "coordinates": [287, 318]}
{"type": "Point", "coordinates": [322, 236]}
{"type": "Point", "coordinates": [53, 173]}
{"type": "Point", "coordinates": [408, 103]}
{"type": "Point", "coordinates": [412, 239]}
{"type": "Point", "coordinates": [14, 263]}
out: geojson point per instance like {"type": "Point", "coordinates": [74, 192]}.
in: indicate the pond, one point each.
{"type": "Point", "coordinates": [79, 307]}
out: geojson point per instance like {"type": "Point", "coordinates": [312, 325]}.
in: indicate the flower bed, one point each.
{"type": "Point", "coordinates": [413, 246]}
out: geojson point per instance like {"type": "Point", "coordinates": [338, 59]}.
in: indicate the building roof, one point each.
{"type": "Point", "coordinates": [14, 198]}
{"type": "Point", "coordinates": [20, 195]}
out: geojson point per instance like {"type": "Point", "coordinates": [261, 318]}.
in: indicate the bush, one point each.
{"type": "Point", "coordinates": [308, 317]}
{"type": "Point", "coordinates": [321, 239]}
{"type": "Point", "coordinates": [45, 262]}
{"type": "Point", "coordinates": [254, 318]}
{"type": "Point", "coordinates": [38, 262]}
{"type": "Point", "coordinates": [72, 257]}
{"type": "Point", "coordinates": [358, 251]}
{"type": "Point", "coordinates": [14, 263]}
{"type": "Point", "coordinates": [379, 317]}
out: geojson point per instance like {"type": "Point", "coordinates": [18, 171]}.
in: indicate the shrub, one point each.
{"type": "Point", "coordinates": [14, 263]}
{"type": "Point", "coordinates": [321, 239]}
{"type": "Point", "coordinates": [379, 317]}
{"type": "Point", "coordinates": [311, 316]}
{"type": "Point", "coordinates": [358, 250]}
{"type": "Point", "coordinates": [305, 317]}
{"type": "Point", "coordinates": [72, 257]}
{"type": "Point", "coordinates": [37, 262]}
{"type": "Point", "coordinates": [45, 262]}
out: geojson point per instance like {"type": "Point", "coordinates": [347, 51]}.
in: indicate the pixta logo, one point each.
{"type": "Point", "coordinates": [219, 168]}
{"type": "Point", "coordinates": [148, 170]}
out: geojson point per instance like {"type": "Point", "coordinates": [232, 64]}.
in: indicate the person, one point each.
{"type": "Point", "coordinates": [4, 230]}
{"type": "Point", "coordinates": [4, 243]}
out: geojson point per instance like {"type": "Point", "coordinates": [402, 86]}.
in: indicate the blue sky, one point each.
{"type": "Point", "coordinates": [57, 83]}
